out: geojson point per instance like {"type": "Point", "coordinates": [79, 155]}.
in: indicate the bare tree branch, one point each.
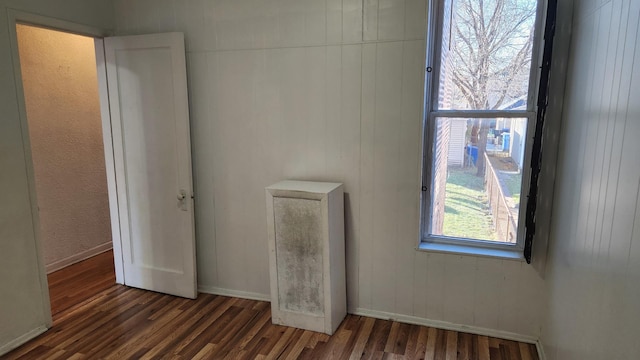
{"type": "Point", "coordinates": [488, 59]}
{"type": "Point", "coordinates": [491, 51]}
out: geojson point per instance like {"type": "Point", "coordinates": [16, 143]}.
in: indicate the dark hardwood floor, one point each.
{"type": "Point", "coordinates": [80, 281]}
{"type": "Point", "coordinates": [126, 323]}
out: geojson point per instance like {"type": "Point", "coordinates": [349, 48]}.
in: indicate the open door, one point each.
{"type": "Point", "coordinates": [147, 88]}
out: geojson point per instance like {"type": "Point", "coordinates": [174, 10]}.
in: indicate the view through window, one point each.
{"type": "Point", "coordinates": [480, 109]}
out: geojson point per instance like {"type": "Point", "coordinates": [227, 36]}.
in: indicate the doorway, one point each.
{"type": "Point", "coordinates": [62, 102]}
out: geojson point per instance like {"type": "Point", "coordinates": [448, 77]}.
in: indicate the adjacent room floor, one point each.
{"type": "Point", "coordinates": [76, 283]}
{"type": "Point", "coordinates": [93, 318]}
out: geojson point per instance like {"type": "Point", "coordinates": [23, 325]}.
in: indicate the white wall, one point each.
{"type": "Point", "coordinates": [324, 90]}
{"type": "Point", "coordinates": [63, 109]}
{"type": "Point", "coordinates": [22, 303]}
{"type": "Point", "coordinates": [594, 261]}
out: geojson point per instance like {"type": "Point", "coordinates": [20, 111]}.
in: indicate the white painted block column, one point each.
{"type": "Point", "coordinates": [306, 254]}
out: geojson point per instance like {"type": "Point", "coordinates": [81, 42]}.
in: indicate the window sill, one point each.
{"type": "Point", "coordinates": [459, 249]}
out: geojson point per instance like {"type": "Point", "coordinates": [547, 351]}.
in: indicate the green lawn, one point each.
{"type": "Point", "coordinates": [513, 182]}
{"type": "Point", "coordinates": [466, 210]}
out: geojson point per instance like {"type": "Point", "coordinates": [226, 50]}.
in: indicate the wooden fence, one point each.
{"type": "Point", "coordinates": [504, 221]}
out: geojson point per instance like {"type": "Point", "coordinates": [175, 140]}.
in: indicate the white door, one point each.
{"type": "Point", "coordinates": [146, 77]}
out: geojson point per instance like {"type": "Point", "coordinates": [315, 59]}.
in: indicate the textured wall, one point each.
{"type": "Point", "coordinates": [22, 302]}
{"type": "Point", "coordinates": [328, 90]}
{"type": "Point", "coordinates": [594, 262]}
{"type": "Point", "coordinates": [65, 128]}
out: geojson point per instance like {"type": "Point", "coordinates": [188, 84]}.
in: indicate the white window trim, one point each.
{"type": "Point", "coordinates": [435, 243]}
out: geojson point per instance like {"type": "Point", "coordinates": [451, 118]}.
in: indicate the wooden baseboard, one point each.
{"type": "Point", "coordinates": [446, 325]}
{"type": "Point", "coordinates": [22, 339]}
{"type": "Point", "coordinates": [233, 293]}
{"type": "Point", "coordinates": [78, 257]}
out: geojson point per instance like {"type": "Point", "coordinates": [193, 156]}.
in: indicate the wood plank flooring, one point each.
{"type": "Point", "coordinates": [80, 281]}
{"type": "Point", "coordinates": [127, 323]}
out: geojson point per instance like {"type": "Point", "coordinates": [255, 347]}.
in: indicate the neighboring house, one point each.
{"type": "Point", "coordinates": [516, 141]}
{"type": "Point", "coordinates": [457, 142]}
{"type": "Point", "coordinates": [517, 131]}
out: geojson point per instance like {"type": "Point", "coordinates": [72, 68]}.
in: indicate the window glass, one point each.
{"type": "Point", "coordinates": [476, 154]}
{"type": "Point", "coordinates": [477, 191]}
{"type": "Point", "coordinates": [486, 49]}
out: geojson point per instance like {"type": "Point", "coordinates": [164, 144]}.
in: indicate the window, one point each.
{"type": "Point", "coordinates": [482, 78]}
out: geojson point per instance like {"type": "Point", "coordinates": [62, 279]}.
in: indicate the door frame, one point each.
{"type": "Point", "coordinates": [16, 17]}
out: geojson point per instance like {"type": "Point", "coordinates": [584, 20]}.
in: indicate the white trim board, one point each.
{"type": "Point", "coordinates": [109, 161]}
{"type": "Point", "coordinates": [13, 344]}
{"type": "Point", "coordinates": [63, 263]}
{"type": "Point", "coordinates": [396, 317]}
{"type": "Point", "coordinates": [540, 350]}
{"type": "Point", "coordinates": [446, 325]}
{"type": "Point", "coordinates": [233, 293]}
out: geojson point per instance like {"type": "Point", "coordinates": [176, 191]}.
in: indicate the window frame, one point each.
{"type": "Point", "coordinates": [429, 241]}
